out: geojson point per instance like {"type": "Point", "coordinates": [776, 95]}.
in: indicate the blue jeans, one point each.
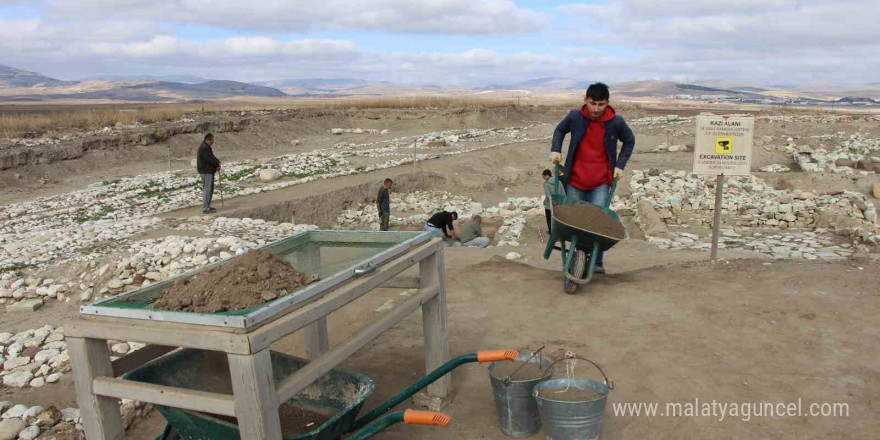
{"type": "Point", "coordinates": [598, 196]}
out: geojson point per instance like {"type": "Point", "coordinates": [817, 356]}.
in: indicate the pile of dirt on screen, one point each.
{"type": "Point", "coordinates": [252, 279]}
{"type": "Point", "coordinates": [589, 218]}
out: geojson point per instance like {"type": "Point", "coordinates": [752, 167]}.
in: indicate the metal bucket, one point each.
{"type": "Point", "coordinates": [517, 410]}
{"type": "Point", "coordinates": [572, 420]}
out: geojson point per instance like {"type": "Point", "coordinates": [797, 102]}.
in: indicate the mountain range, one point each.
{"type": "Point", "coordinates": [21, 85]}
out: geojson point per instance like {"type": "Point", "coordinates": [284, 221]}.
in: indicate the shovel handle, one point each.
{"type": "Point", "coordinates": [413, 417]}
{"type": "Point", "coordinates": [496, 355]}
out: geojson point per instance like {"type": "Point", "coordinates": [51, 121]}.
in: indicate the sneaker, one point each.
{"type": "Point", "coordinates": [210, 210]}
{"type": "Point", "coordinates": [599, 269]}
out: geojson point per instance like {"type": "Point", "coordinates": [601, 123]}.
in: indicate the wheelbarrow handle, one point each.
{"type": "Point", "coordinates": [410, 417]}
{"type": "Point", "coordinates": [430, 418]}
{"type": "Point", "coordinates": [496, 355]}
{"type": "Point", "coordinates": [483, 356]}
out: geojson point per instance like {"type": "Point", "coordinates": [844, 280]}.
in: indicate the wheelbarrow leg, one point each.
{"type": "Point", "coordinates": [592, 264]}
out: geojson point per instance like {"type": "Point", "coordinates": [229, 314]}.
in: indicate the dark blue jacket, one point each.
{"type": "Point", "coordinates": [576, 124]}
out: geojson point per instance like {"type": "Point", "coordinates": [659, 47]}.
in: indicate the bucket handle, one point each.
{"type": "Point", "coordinates": [608, 381]}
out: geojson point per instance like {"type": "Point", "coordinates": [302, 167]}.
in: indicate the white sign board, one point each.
{"type": "Point", "coordinates": [724, 145]}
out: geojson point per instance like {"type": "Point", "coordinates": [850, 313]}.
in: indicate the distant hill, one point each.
{"type": "Point", "coordinates": [324, 86]}
{"type": "Point", "coordinates": [186, 79]}
{"type": "Point", "coordinates": [12, 77]}
{"type": "Point", "coordinates": [547, 84]}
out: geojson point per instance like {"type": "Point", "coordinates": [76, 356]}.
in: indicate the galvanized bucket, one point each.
{"type": "Point", "coordinates": [572, 420]}
{"type": "Point", "coordinates": [517, 410]}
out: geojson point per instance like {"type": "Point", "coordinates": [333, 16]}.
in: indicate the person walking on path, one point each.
{"type": "Point", "coordinates": [440, 224]}
{"type": "Point", "coordinates": [472, 233]}
{"type": "Point", "coordinates": [207, 164]}
{"type": "Point", "coordinates": [383, 203]}
{"type": "Point", "coordinates": [592, 160]}
{"type": "Point", "coordinates": [549, 188]}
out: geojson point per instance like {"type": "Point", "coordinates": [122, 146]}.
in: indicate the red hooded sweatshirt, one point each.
{"type": "Point", "coordinates": [591, 167]}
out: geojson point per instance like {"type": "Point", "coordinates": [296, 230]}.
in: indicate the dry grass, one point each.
{"type": "Point", "coordinates": [59, 121]}
{"type": "Point", "coordinates": [54, 119]}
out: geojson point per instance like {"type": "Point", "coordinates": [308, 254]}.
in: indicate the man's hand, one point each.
{"type": "Point", "coordinates": [218, 168]}
{"type": "Point", "coordinates": [555, 157]}
{"type": "Point", "coordinates": [618, 173]}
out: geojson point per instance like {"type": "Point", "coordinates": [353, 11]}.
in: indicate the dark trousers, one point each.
{"type": "Point", "coordinates": [207, 191]}
{"type": "Point", "coordinates": [547, 214]}
{"type": "Point", "coordinates": [383, 220]}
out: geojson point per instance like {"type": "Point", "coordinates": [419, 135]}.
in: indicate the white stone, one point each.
{"type": "Point", "coordinates": [70, 414]}
{"type": "Point", "coordinates": [18, 379]}
{"type": "Point", "coordinates": [10, 428]}
{"type": "Point", "coordinates": [29, 433]}
{"type": "Point", "coordinates": [269, 175]}
{"type": "Point", "coordinates": [38, 382]}
{"type": "Point", "coordinates": [513, 256]}
{"type": "Point", "coordinates": [121, 348]}
{"type": "Point", "coordinates": [44, 356]}
{"type": "Point", "coordinates": [15, 362]}
{"type": "Point", "coordinates": [16, 411]}
{"type": "Point", "coordinates": [54, 377]}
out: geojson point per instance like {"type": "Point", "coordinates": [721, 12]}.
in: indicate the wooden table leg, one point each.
{"type": "Point", "coordinates": [90, 358]}
{"type": "Point", "coordinates": [433, 270]}
{"type": "Point", "coordinates": [317, 338]}
{"type": "Point", "coordinates": [256, 404]}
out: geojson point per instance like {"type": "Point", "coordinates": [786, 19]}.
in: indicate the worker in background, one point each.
{"type": "Point", "coordinates": [440, 225]}
{"type": "Point", "coordinates": [549, 188]}
{"type": "Point", "coordinates": [383, 204]}
{"type": "Point", "coordinates": [207, 164]}
{"type": "Point", "coordinates": [472, 233]}
{"type": "Point", "coordinates": [592, 160]}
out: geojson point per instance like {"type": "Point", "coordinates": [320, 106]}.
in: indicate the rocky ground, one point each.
{"type": "Point", "coordinates": [84, 239]}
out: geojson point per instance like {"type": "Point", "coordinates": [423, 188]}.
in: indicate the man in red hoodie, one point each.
{"type": "Point", "coordinates": [592, 160]}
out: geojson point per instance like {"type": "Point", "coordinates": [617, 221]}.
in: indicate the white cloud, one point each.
{"type": "Point", "coordinates": [470, 17]}
{"type": "Point", "coordinates": [758, 40]}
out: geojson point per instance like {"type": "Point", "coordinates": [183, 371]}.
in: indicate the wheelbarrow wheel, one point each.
{"type": "Point", "coordinates": [578, 264]}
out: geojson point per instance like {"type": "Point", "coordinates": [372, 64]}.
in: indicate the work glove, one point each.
{"type": "Point", "coordinates": [555, 157]}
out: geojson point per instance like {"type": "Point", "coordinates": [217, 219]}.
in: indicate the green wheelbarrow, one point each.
{"type": "Point", "coordinates": [337, 396]}
{"type": "Point", "coordinates": [579, 246]}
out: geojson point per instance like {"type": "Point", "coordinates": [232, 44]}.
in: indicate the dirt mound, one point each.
{"type": "Point", "coordinates": [589, 218]}
{"type": "Point", "coordinates": [250, 280]}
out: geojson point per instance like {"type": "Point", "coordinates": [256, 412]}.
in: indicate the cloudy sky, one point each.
{"type": "Point", "coordinates": [454, 42]}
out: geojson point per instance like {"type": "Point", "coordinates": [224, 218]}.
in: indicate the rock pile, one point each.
{"type": "Point", "coordinates": [357, 131]}
{"type": "Point", "coordinates": [679, 198]}
{"type": "Point", "coordinates": [33, 358]}
{"type": "Point", "coordinates": [27, 423]}
{"type": "Point", "coordinates": [859, 154]}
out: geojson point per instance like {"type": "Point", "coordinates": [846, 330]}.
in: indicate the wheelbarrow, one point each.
{"type": "Point", "coordinates": [338, 395]}
{"type": "Point", "coordinates": [579, 255]}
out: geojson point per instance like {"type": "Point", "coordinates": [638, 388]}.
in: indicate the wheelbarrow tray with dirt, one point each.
{"type": "Point", "coordinates": [580, 242]}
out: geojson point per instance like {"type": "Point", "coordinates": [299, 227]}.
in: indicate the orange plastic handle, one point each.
{"type": "Point", "coordinates": [496, 355]}
{"type": "Point", "coordinates": [413, 417]}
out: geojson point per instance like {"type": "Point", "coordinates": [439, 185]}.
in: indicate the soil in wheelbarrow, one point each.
{"type": "Point", "coordinates": [529, 370]}
{"type": "Point", "coordinates": [250, 280]}
{"type": "Point", "coordinates": [295, 420]}
{"type": "Point", "coordinates": [591, 219]}
{"type": "Point", "coordinates": [572, 394]}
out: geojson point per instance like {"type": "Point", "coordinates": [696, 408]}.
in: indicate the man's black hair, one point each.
{"type": "Point", "coordinates": [389, 181]}
{"type": "Point", "coordinates": [454, 214]}
{"type": "Point", "coordinates": [546, 173]}
{"type": "Point", "coordinates": [598, 92]}
{"type": "Point", "coordinates": [209, 137]}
